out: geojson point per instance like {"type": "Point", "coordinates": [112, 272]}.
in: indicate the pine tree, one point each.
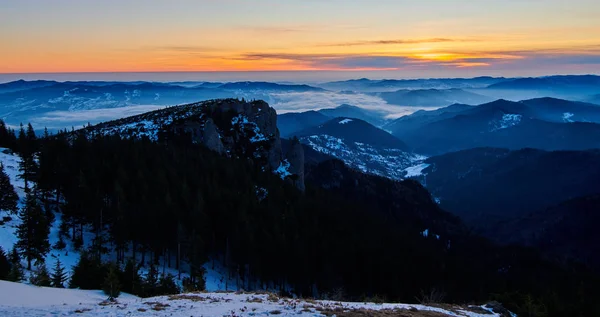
{"type": "Point", "coordinates": [27, 149]}
{"type": "Point", "coordinates": [4, 265]}
{"type": "Point", "coordinates": [151, 282]}
{"type": "Point", "coordinates": [111, 286]}
{"type": "Point", "coordinates": [8, 196]}
{"type": "Point", "coordinates": [88, 273]}
{"type": "Point", "coordinates": [33, 231]}
{"type": "Point", "coordinates": [167, 285]}
{"type": "Point", "coordinates": [131, 279]}
{"type": "Point", "coordinates": [59, 276]}
{"type": "Point", "coordinates": [16, 269]}
{"type": "Point", "coordinates": [40, 276]}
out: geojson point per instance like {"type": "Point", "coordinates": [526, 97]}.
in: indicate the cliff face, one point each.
{"type": "Point", "coordinates": [296, 158]}
{"type": "Point", "coordinates": [227, 126]}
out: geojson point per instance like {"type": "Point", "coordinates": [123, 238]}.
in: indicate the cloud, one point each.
{"type": "Point", "coordinates": [334, 61]}
{"type": "Point", "coordinates": [276, 29]}
{"type": "Point", "coordinates": [179, 48]}
{"type": "Point", "coordinates": [305, 101]}
{"type": "Point", "coordinates": [399, 42]}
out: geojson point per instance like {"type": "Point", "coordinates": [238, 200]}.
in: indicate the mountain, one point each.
{"type": "Point", "coordinates": [21, 106]}
{"type": "Point", "coordinates": [432, 97]}
{"type": "Point", "coordinates": [488, 187]}
{"type": "Point", "coordinates": [406, 124]}
{"type": "Point", "coordinates": [255, 85]}
{"type": "Point", "coordinates": [227, 126]}
{"type": "Point", "coordinates": [552, 83]}
{"type": "Point", "coordinates": [289, 123]}
{"type": "Point", "coordinates": [560, 110]}
{"type": "Point", "coordinates": [373, 117]}
{"type": "Point", "coordinates": [24, 85]}
{"type": "Point", "coordinates": [367, 85]}
{"type": "Point", "coordinates": [360, 145]}
{"type": "Point", "coordinates": [501, 123]}
{"type": "Point", "coordinates": [595, 99]}
{"type": "Point", "coordinates": [197, 181]}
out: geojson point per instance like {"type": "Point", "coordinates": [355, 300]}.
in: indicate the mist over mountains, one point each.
{"type": "Point", "coordinates": [58, 104]}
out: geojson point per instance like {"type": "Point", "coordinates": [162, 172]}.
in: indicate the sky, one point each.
{"type": "Point", "coordinates": [392, 38]}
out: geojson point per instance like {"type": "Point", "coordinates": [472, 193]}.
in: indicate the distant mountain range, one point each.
{"type": "Point", "coordinates": [591, 82]}
{"type": "Point", "coordinates": [22, 100]}
{"type": "Point", "coordinates": [367, 85]}
{"type": "Point", "coordinates": [547, 123]}
{"type": "Point", "coordinates": [432, 97]}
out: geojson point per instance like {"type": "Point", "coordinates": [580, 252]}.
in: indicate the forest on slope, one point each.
{"type": "Point", "coordinates": [348, 233]}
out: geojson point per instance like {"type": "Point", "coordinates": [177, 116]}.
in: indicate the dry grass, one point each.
{"type": "Point", "coordinates": [193, 298]}
{"type": "Point", "coordinates": [254, 300]}
{"type": "Point", "coordinates": [273, 298]}
{"type": "Point", "coordinates": [339, 312]}
{"type": "Point", "coordinates": [157, 306]}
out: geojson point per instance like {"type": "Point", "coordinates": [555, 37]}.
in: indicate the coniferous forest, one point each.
{"type": "Point", "coordinates": [177, 204]}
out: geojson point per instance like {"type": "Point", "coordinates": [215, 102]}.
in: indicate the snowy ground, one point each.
{"type": "Point", "coordinates": [31, 301]}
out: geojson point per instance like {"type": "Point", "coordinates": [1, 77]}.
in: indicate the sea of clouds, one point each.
{"type": "Point", "coordinates": [283, 102]}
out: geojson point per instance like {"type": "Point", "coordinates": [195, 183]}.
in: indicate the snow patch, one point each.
{"type": "Point", "coordinates": [567, 117]}
{"type": "Point", "coordinates": [416, 170]}
{"type": "Point", "coordinates": [283, 169]}
{"type": "Point", "coordinates": [508, 120]}
{"type": "Point", "coordinates": [345, 121]}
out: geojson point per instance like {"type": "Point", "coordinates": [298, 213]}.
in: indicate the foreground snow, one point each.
{"type": "Point", "coordinates": [25, 300]}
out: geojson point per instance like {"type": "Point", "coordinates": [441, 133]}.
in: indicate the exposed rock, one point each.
{"type": "Point", "coordinates": [227, 126]}
{"type": "Point", "coordinates": [211, 138]}
{"type": "Point", "coordinates": [296, 158]}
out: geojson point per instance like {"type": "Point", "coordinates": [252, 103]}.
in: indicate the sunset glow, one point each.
{"type": "Point", "coordinates": [266, 35]}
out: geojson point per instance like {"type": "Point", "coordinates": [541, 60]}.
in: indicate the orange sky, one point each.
{"type": "Point", "coordinates": [237, 35]}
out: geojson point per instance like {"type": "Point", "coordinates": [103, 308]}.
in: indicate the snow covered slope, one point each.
{"type": "Point", "coordinates": [25, 300]}
{"type": "Point", "coordinates": [361, 146]}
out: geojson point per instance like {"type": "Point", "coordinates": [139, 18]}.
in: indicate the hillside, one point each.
{"type": "Point", "coordinates": [373, 117]}
{"type": "Point", "coordinates": [290, 123]}
{"type": "Point", "coordinates": [361, 146]}
{"type": "Point", "coordinates": [565, 231]}
{"type": "Point", "coordinates": [487, 187]}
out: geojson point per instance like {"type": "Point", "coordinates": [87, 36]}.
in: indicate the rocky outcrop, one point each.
{"type": "Point", "coordinates": [295, 157]}
{"type": "Point", "coordinates": [231, 127]}
{"type": "Point", "coordinates": [211, 137]}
